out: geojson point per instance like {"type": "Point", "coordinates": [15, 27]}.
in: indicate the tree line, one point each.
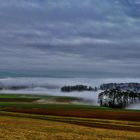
{"type": "Point", "coordinates": [78, 88]}
{"type": "Point", "coordinates": [118, 98]}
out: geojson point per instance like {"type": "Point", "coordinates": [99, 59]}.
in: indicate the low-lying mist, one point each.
{"type": "Point", "coordinates": [52, 86]}
{"type": "Point", "coordinates": [134, 106]}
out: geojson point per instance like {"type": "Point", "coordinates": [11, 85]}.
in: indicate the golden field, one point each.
{"type": "Point", "coordinates": [21, 128]}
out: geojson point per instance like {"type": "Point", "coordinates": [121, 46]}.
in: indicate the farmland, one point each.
{"type": "Point", "coordinates": [61, 119]}
{"type": "Point", "coordinates": [27, 126]}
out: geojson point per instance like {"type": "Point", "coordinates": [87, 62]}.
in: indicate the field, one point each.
{"type": "Point", "coordinates": [23, 128]}
{"type": "Point", "coordinates": [23, 117]}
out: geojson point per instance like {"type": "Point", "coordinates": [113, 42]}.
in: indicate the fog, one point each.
{"type": "Point", "coordinates": [134, 106]}
{"type": "Point", "coordinates": [51, 86]}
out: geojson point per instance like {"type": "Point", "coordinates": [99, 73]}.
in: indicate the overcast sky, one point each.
{"type": "Point", "coordinates": [97, 37]}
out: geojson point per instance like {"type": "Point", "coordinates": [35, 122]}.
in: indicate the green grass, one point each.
{"type": "Point", "coordinates": [57, 106]}
{"type": "Point", "coordinates": [31, 105]}
{"type": "Point", "coordinates": [24, 96]}
{"type": "Point", "coordinates": [47, 106]}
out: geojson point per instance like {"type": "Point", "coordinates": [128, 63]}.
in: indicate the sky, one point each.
{"type": "Point", "coordinates": [95, 38]}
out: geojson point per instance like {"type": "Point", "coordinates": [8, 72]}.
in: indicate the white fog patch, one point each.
{"type": "Point", "coordinates": [134, 106]}
{"type": "Point", "coordinates": [52, 86]}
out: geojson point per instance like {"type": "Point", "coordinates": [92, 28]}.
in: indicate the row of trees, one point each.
{"type": "Point", "coordinates": [128, 86]}
{"type": "Point", "coordinates": [117, 98]}
{"type": "Point", "coordinates": [77, 88]}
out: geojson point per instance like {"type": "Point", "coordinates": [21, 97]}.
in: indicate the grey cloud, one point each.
{"type": "Point", "coordinates": [95, 36]}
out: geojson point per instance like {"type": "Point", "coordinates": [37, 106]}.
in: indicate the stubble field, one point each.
{"type": "Point", "coordinates": [21, 128]}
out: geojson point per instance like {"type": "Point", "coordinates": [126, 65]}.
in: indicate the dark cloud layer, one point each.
{"type": "Point", "coordinates": [93, 37]}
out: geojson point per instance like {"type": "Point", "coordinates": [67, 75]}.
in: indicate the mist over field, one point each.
{"type": "Point", "coordinates": [46, 44]}
{"type": "Point", "coordinates": [52, 86]}
{"type": "Point", "coordinates": [134, 107]}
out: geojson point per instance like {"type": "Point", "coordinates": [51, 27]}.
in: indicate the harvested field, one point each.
{"type": "Point", "coordinates": [72, 111]}
{"type": "Point", "coordinates": [90, 122]}
{"type": "Point", "coordinates": [97, 115]}
{"type": "Point", "coordinates": [84, 115]}
{"type": "Point", "coordinates": [23, 128]}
